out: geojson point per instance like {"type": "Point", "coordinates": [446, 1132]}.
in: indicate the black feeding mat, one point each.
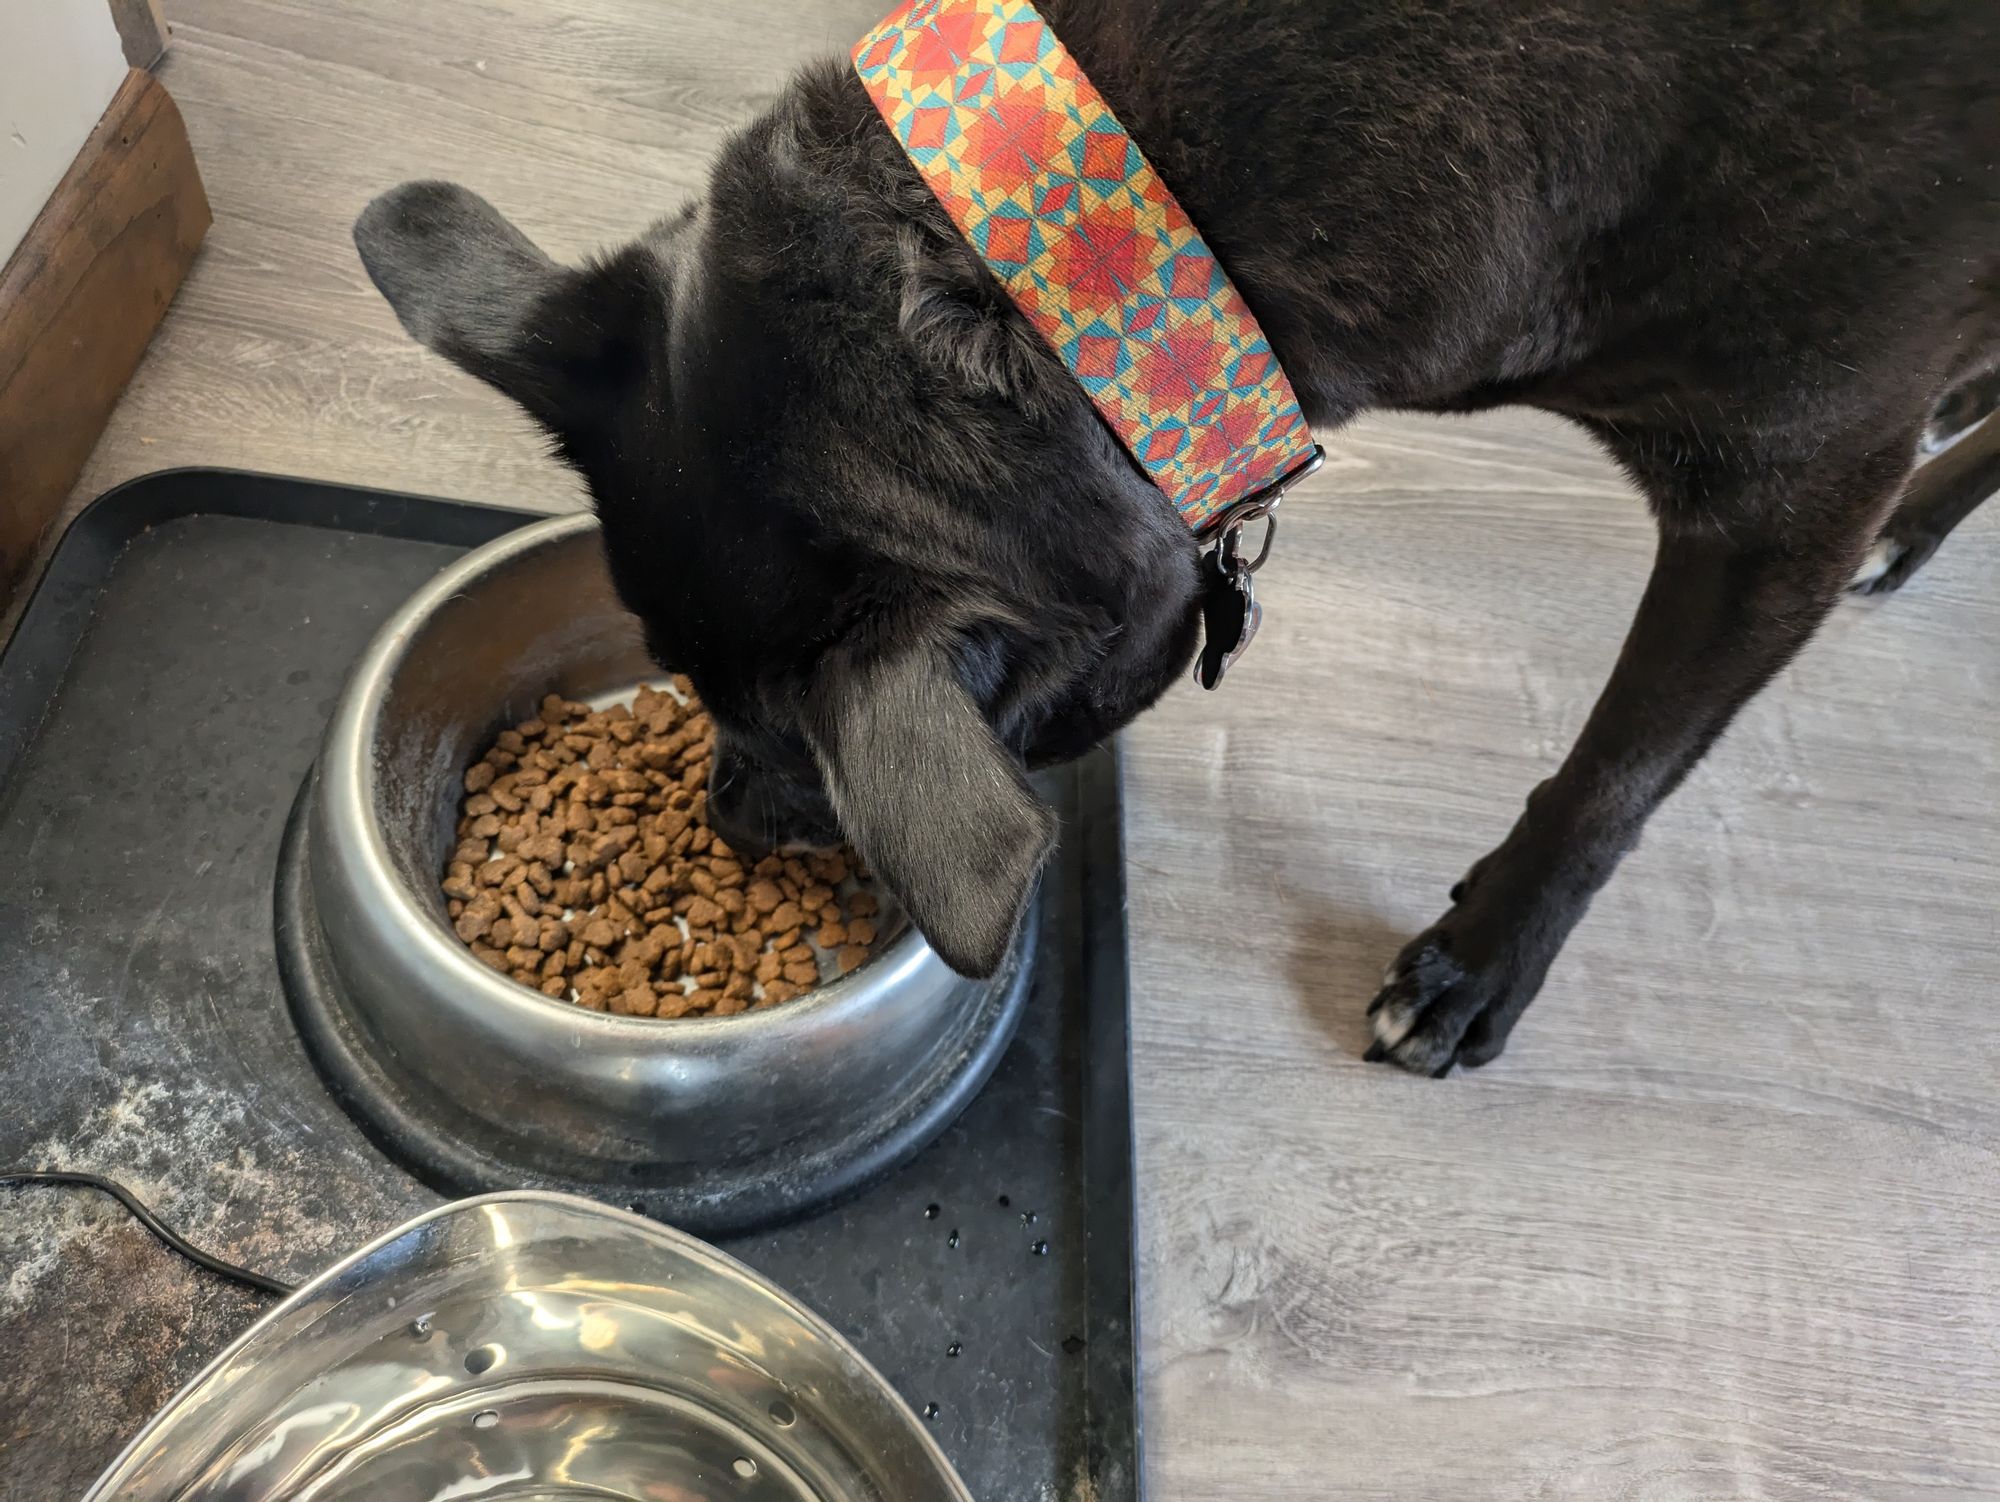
{"type": "Point", "coordinates": [160, 701]}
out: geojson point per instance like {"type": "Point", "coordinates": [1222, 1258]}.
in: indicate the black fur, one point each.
{"type": "Point", "coordinates": [1752, 247]}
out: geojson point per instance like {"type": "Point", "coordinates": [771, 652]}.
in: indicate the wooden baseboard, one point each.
{"type": "Point", "coordinates": [142, 31]}
{"type": "Point", "coordinates": [81, 297]}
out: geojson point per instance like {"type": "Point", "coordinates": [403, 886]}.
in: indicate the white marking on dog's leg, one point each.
{"type": "Point", "coordinates": [1393, 1023]}
{"type": "Point", "coordinates": [1881, 558]}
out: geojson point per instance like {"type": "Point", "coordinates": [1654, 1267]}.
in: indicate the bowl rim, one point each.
{"type": "Point", "coordinates": [281, 1322]}
{"type": "Point", "coordinates": [348, 764]}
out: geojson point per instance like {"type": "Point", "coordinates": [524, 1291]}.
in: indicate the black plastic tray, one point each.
{"type": "Point", "coordinates": [160, 702]}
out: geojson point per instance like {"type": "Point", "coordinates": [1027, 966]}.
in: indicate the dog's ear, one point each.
{"type": "Point", "coordinates": [932, 800]}
{"type": "Point", "coordinates": [468, 284]}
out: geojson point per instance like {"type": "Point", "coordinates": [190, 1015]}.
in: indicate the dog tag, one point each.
{"type": "Point", "coordinates": [1229, 616]}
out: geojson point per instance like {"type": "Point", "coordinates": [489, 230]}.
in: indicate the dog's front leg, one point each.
{"type": "Point", "coordinates": [1747, 568]}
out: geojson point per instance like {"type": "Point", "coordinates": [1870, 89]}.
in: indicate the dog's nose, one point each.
{"type": "Point", "coordinates": [758, 812]}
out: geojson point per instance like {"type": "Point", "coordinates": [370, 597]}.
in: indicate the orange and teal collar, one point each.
{"type": "Point", "coordinates": [1068, 214]}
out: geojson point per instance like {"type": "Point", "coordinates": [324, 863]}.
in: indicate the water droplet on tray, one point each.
{"type": "Point", "coordinates": [952, 1239]}
{"type": "Point", "coordinates": [930, 1212]}
{"type": "Point", "coordinates": [930, 1410]}
{"type": "Point", "coordinates": [953, 1349]}
{"type": "Point", "coordinates": [1040, 1249]}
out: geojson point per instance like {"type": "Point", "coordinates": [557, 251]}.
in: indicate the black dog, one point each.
{"type": "Point", "coordinates": [1754, 248]}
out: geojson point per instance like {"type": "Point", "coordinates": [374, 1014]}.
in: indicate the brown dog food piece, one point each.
{"type": "Point", "coordinates": [635, 1001]}
{"type": "Point", "coordinates": [849, 959]}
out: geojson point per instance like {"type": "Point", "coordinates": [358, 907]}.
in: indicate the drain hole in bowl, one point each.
{"type": "Point", "coordinates": [486, 1418]}
{"type": "Point", "coordinates": [782, 1413]}
{"type": "Point", "coordinates": [480, 1359]}
{"type": "Point", "coordinates": [745, 1467]}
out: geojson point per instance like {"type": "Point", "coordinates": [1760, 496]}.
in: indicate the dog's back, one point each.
{"type": "Point", "coordinates": [1589, 206]}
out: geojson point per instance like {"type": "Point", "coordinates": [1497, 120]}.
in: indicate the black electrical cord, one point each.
{"type": "Point", "coordinates": [150, 1221]}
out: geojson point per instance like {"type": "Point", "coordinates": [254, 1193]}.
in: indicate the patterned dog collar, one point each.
{"type": "Point", "coordinates": [1066, 211]}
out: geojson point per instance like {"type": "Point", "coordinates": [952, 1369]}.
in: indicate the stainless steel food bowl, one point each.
{"type": "Point", "coordinates": [535, 1346]}
{"type": "Point", "coordinates": [477, 1082]}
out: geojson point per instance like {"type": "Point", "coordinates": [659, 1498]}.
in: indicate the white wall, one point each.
{"type": "Point", "coordinates": [60, 63]}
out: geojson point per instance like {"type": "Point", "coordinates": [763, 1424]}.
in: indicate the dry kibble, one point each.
{"type": "Point", "coordinates": [584, 868]}
{"type": "Point", "coordinates": [635, 1001]}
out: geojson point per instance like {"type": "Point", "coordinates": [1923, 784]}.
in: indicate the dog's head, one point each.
{"type": "Point", "coordinates": [845, 489]}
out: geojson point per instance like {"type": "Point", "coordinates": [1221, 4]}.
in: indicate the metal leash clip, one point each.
{"type": "Point", "coordinates": [1230, 613]}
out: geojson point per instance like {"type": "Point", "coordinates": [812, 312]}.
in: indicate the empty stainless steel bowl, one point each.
{"type": "Point", "coordinates": [535, 1346]}
{"type": "Point", "coordinates": [715, 1123]}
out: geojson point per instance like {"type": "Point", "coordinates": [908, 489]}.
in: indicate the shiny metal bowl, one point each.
{"type": "Point", "coordinates": [717, 1123]}
{"type": "Point", "coordinates": [535, 1346]}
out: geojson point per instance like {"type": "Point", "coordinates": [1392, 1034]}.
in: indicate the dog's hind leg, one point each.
{"type": "Point", "coordinates": [1753, 553]}
{"type": "Point", "coordinates": [1945, 490]}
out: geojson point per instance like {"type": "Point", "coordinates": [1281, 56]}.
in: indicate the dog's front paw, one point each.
{"type": "Point", "coordinates": [1448, 1001]}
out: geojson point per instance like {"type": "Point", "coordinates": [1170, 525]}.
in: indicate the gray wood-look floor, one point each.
{"type": "Point", "coordinates": [1725, 1222]}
